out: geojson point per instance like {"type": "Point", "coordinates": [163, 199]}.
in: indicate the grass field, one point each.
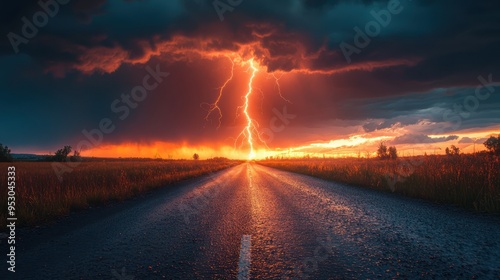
{"type": "Point", "coordinates": [41, 197]}
{"type": "Point", "coordinates": [466, 180]}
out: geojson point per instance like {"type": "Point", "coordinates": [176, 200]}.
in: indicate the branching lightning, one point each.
{"type": "Point", "coordinates": [276, 79]}
{"type": "Point", "coordinates": [215, 106]}
{"type": "Point", "coordinates": [249, 133]}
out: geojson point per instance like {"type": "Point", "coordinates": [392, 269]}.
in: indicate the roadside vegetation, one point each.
{"type": "Point", "coordinates": [41, 197]}
{"type": "Point", "coordinates": [467, 180]}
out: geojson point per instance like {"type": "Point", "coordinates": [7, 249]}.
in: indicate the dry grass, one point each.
{"type": "Point", "coordinates": [468, 181]}
{"type": "Point", "coordinates": [40, 196]}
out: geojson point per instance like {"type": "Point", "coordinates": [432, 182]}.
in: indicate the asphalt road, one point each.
{"type": "Point", "coordinates": [254, 222]}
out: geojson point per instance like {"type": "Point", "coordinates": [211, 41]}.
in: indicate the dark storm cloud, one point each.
{"type": "Point", "coordinates": [447, 47]}
{"type": "Point", "coordinates": [437, 106]}
{"type": "Point", "coordinates": [92, 51]}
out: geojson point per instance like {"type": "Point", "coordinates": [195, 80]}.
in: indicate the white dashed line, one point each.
{"type": "Point", "coordinates": [245, 259]}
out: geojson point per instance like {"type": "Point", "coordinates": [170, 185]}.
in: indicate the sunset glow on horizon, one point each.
{"type": "Point", "coordinates": [354, 146]}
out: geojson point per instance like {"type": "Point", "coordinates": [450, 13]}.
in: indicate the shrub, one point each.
{"type": "Point", "coordinates": [5, 155]}
{"type": "Point", "coordinates": [62, 154]}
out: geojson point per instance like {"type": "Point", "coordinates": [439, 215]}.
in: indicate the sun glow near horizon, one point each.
{"type": "Point", "coordinates": [352, 146]}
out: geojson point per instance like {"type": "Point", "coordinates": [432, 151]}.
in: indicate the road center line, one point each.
{"type": "Point", "coordinates": [245, 258]}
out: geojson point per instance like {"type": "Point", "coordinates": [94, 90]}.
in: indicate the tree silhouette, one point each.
{"type": "Point", "coordinates": [382, 151]}
{"type": "Point", "coordinates": [5, 155]}
{"type": "Point", "coordinates": [386, 153]}
{"type": "Point", "coordinates": [393, 153]}
{"type": "Point", "coordinates": [452, 151]}
{"type": "Point", "coordinates": [62, 154]}
{"type": "Point", "coordinates": [196, 156]}
{"type": "Point", "coordinates": [493, 145]}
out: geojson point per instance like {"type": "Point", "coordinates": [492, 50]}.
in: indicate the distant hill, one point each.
{"type": "Point", "coordinates": [29, 157]}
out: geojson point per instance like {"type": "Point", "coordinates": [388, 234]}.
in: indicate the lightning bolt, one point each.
{"type": "Point", "coordinates": [250, 124]}
{"type": "Point", "coordinates": [276, 79]}
{"type": "Point", "coordinates": [215, 106]}
{"type": "Point", "coordinates": [249, 133]}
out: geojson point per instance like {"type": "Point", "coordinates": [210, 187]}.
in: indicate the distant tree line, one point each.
{"type": "Point", "coordinates": [492, 145]}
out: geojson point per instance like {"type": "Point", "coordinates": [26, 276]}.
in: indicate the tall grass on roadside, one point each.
{"type": "Point", "coordinates": [40, 196]}
{"type": "Point", "coordinates": [466, 180]}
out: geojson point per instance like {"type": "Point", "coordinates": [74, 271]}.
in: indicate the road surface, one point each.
{"type": "Point", "coordinates": [254, 222]}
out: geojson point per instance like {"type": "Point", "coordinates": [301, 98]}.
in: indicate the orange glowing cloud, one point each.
{"type": "Point", "coordinates": [270, 46]}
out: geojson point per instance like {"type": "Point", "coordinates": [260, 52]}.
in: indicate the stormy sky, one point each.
{"type": "Point", "coordinates": [407, 72]}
